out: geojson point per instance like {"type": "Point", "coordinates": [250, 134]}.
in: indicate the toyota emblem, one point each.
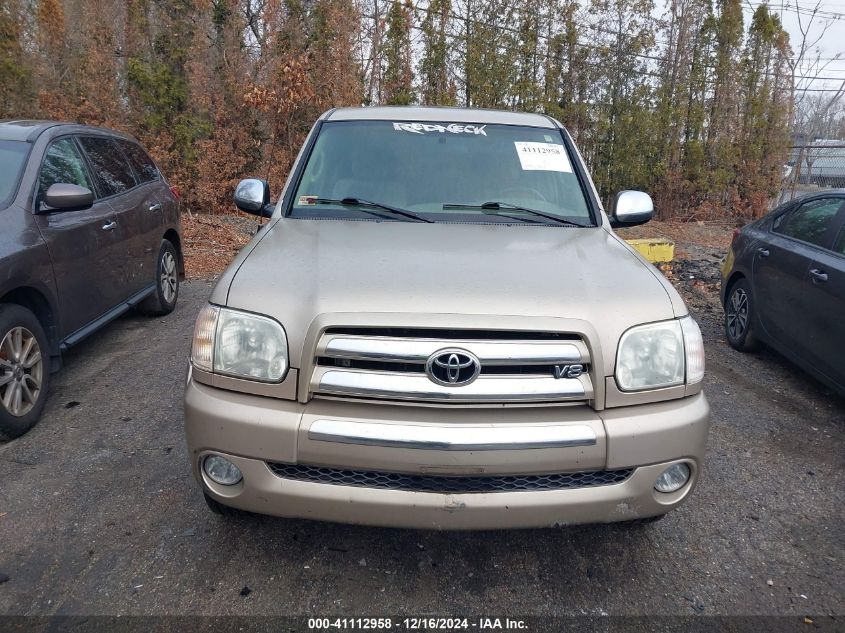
{"type": "Point", "coordinates": [452, 367]}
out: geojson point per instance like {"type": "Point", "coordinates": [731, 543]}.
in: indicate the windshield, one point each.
{"type": "Point", "coordinates": [12, 158]}
{"type": "Point", "coordinates": [443, 172]}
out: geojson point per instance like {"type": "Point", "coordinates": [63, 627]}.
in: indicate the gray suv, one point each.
{"type": "Point", "coordinates": [90, 229]}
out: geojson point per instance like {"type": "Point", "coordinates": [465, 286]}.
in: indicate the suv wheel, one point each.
{"type": "Point", "coordinates": [739, 318]}
{"type": "Point", "coordinates": [163, 300]}
{"type": "Point", "coordinates": [24, 370]}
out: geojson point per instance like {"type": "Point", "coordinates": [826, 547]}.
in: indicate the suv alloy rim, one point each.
{"type": "Point", "coordinates": [21, 371]}
{"type": "Point", "coordinates": [737, 313]}
{"type": "Point", "coordinates": [168, 276]}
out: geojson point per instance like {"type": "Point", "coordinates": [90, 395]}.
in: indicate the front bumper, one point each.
{"type": "Point", "coordinates": [253, 430]}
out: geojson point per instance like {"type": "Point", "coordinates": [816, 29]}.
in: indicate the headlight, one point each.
{"type": "Point", "coordinates": [240, 344]}
{"type": "Point", "coordinates": [659, 355]}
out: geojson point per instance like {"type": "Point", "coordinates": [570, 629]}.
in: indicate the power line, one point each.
{"type": "Point", "coordinates": [809, 7]}
{"type": "Point", "coordinates": [797, 9]}
{"type": "Point", "coordinates": [818, 90]}
{"type": "Point", "coordinates": [592, 46]}
{"type": "Point", "coordinates": [643, 73]}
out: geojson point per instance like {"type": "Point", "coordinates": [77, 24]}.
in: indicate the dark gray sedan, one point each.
{"type": "Point", "coordinates": [783, 284]}
{"type": "Point", "coordinates": [90, 228]}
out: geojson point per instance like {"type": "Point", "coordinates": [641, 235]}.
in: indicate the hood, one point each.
{"type": "Point", "coordinates": [458, 275]}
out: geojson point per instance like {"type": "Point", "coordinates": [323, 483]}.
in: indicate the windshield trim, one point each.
{"type": "Point", "coordinates": [13, 193]}
{"type": "Point", "coordinates": [574, 159]}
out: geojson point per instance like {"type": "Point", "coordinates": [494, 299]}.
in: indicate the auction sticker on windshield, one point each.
{"type": "Point", "coordinates": [542, 157]}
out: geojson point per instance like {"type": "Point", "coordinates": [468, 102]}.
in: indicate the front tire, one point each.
{"type": "Point", "coordinates": [24, 370]}
{"type": "Point", "coordinates": [163, 300]}
{"type": "Point", "coordinates": [740, 317]}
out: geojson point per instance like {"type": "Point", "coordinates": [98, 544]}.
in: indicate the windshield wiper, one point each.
{"type": "Point", "coordinates": [493, 208]}
{"type": "Point", "coordinates": [357, 202]}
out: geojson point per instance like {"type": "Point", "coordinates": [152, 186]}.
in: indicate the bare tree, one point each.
{"type": "Point", "coordinates": [807, 63]}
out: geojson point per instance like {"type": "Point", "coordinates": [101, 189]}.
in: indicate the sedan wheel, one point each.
{"type": "Point", "coordinates": [737, 313]}
{"type": "Point", "coordinates": [739, 317]}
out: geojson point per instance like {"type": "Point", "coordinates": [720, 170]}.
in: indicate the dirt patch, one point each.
{"type": "Point", "coordinates": [700, 249]}
{"type": "Point", "coordinates": [212, 241]}
{"type": "Point", "coordinates": [698, 280]}
{"type": "Point", "coordinates": [689, 237]}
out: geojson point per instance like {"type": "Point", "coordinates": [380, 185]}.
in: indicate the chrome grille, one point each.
{"type": "Point", "coordinates": [448, 484]}
{"type": "Point", "coordinates": [452, 334]}
{"type": "Point", "coordinates": [389, 363]}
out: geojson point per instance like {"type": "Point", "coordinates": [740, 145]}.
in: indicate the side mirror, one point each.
{"type": "Point", "coordinates": [631, 208]}
{"type": "Point", "coordinates": [63, 196]}
{"type": "Point", "coordinates": [253, 196]}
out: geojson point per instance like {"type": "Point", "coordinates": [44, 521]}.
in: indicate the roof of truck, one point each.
{"type": "Point", "coordinates": [439, 114]}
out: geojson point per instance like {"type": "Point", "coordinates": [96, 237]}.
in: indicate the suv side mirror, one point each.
{"type": "Point", "coordinates": [631, 208]}
{"type": "Point", "coordinates": [63, 196]}
{"type": "Point", "coordinates": [253, 196]}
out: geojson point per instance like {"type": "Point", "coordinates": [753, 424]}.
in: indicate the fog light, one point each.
{"type": "Point", "coordinates": [220, 470]}
{"type": "Point", "coordinates": [673, 478]}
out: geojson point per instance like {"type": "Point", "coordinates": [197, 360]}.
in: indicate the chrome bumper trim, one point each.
{"type": "Point", "coordinates": [401, 386]}
{"type": "Point", "coordinates": [389, 349]}
{"type": "Point", "coordinates": [452, 438]}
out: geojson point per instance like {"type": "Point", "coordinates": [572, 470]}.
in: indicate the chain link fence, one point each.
{"type": "Point", "coordinates": [813, 167]}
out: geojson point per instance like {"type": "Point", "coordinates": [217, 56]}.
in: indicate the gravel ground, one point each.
{"type": "Point", "coordinates": [100, 515]}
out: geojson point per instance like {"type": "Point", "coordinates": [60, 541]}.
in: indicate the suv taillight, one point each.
{"type": "Point", "coordinates": [175, 192]}
{"type": "Point", "coordinates": [737, 231]}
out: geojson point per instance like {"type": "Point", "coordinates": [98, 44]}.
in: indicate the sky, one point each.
{"type": "Point", "coordinates": [831, 44]}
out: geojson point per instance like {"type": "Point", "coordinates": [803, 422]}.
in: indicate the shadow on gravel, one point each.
{"type": "Point", "coordinates": [572, 554]}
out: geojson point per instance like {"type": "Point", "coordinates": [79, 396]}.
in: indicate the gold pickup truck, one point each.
{"type": "Point", "coordinates": [438, 328]}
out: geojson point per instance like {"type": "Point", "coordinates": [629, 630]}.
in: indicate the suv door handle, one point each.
{"type": "Point", "coordinates": [764, 252]}
{"type": "Point", "coordinates": [818, 275]}
{"type": "Point", "coordinates": [110, 226]}
{"type": "Point", "coordinates": [155, 206]}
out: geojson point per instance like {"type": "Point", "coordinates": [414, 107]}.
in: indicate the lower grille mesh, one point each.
{"type": "Point", "coordinates": [438, 483]}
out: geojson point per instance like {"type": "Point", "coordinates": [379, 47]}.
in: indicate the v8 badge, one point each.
{"type": "Point", "coordinates": [568, 371]}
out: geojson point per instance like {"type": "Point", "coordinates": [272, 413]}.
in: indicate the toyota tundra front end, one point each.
{"type": "Point", "coordinates": [438, 328]}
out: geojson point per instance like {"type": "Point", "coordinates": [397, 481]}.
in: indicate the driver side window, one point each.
{"type": "Point", "coordinates": [63, 163]}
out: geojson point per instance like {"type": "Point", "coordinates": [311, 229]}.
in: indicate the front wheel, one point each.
{"type": "Point", "coordinates": [739, 318]}
{"type": "Point", "coordinates": [24, 370]}
{"type": "Point", "coordinates": [163, 300]}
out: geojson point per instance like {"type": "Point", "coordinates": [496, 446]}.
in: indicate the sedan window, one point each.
{"type": "Point", "coordinates": [63, 163]}
{"type": "Point", "coordinates": [112, 169]}
{"type": "Point", "coordinates": [810, 222]}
